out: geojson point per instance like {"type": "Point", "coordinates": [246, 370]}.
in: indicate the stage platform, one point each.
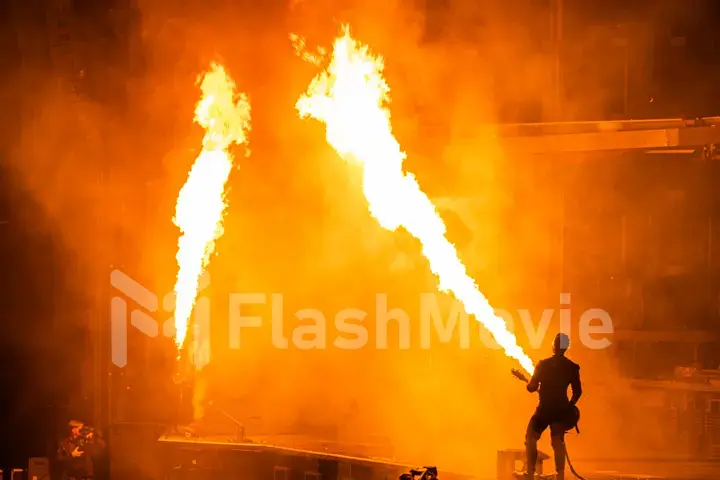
{"type": "Point", "coordinates": [140, 452]}
{"type": "Point", "coordinates": [291, 457]}
{"type": "Point", "coordinates": [290, 444]}
{"type": "Point", "coordinates": [281, 457]}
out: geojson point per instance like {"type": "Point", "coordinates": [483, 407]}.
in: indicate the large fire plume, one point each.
{"type": "Point", "coordinates": [225, 116]}
{"type": "Point", "coordinates": [351, 98]}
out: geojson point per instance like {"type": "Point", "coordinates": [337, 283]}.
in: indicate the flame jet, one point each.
{"type": "Point", "coordinates": [200, 208]}
{"type": "Point", "coordinates": [351, 98]}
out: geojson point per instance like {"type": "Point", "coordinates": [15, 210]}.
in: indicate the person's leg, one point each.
{"type": "Point", "coordinates": [557, 439]}
{"type": "Point", "coordinates": [535, 428]}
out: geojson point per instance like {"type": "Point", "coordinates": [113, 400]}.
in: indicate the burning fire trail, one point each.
{"type": "Point", "coordinates": [351, 98]}
{"type": "Point", "coordinates": [200, 207]}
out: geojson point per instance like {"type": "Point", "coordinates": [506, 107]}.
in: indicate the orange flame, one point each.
{"type": "Point", "coordinates": [351, 98]}
{"type": "Point", "coordinates": [200, 207]}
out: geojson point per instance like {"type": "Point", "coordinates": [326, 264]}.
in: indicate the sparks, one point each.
{"type": "Point", "coordinates": [351, 98]}
{"type": "Point", "coordinates": [200, 207]}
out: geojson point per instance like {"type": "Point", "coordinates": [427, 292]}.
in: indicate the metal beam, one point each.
{"type": "Point", "coordinates": [676, 336]}
{"type": "Point", "coordinates": [575, 137]}
{"type": "Point", "coordinates": [673, 385]}
{"type": "Point", "coordinates": [556, 128]}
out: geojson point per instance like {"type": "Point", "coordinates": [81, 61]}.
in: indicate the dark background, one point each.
{"type": "Point", "coordinates": [672, 254]}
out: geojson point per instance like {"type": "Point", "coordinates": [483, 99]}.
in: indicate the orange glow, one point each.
{"type": "Point", "coordinates": [351, 97]}
{"type": "Point", "coordinates": [200, 207]}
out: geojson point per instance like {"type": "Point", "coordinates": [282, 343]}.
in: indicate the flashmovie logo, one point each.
{"type": "Point", "coordinates": [142, 320]}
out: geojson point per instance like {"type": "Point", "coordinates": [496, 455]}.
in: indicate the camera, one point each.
{"type": "Point", "coordinates": [84, 437]}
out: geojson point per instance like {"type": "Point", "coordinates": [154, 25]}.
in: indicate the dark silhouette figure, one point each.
{"type": "Point", "coordinates": [77, 451]}
{"type": "Point", "coordinates": [552, 378]}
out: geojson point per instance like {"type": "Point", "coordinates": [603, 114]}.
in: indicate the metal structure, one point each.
{"type": "Point", "coordinates": [276, 457]}
{"type": "Point", "coordinates": [64, 46]}
{"type": "Point", "coordinates": [68, 55]}
{"type": "Point", "coordinates": [662, 136]}
{"type": "Point", "coordinates": [653, 136]}
{"type": "Point", "coordinates": [693, 397]}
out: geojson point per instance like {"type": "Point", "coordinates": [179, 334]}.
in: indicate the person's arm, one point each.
{"type": "Point", "coordinates": [576, 386]}
{"type": "Point", "coordinates": [534, 382]}
{"type": "Point", "coordinates": [63, 454]}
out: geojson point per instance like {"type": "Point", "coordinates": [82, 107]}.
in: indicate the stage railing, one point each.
{"type": "Point", "coordinates": [238, 424]}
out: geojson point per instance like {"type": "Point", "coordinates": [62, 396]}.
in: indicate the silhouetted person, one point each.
{"type": "Point", "coordinates": [552, 378]}
{"type": "Point", "coordinates": [77, 451]}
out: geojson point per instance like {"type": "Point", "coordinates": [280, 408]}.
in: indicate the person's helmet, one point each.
{"type": "Point", "coordinates": [561, 343]}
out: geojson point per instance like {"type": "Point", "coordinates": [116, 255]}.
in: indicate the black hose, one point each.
{"type": "Point", "coordinates": [572, 469]}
